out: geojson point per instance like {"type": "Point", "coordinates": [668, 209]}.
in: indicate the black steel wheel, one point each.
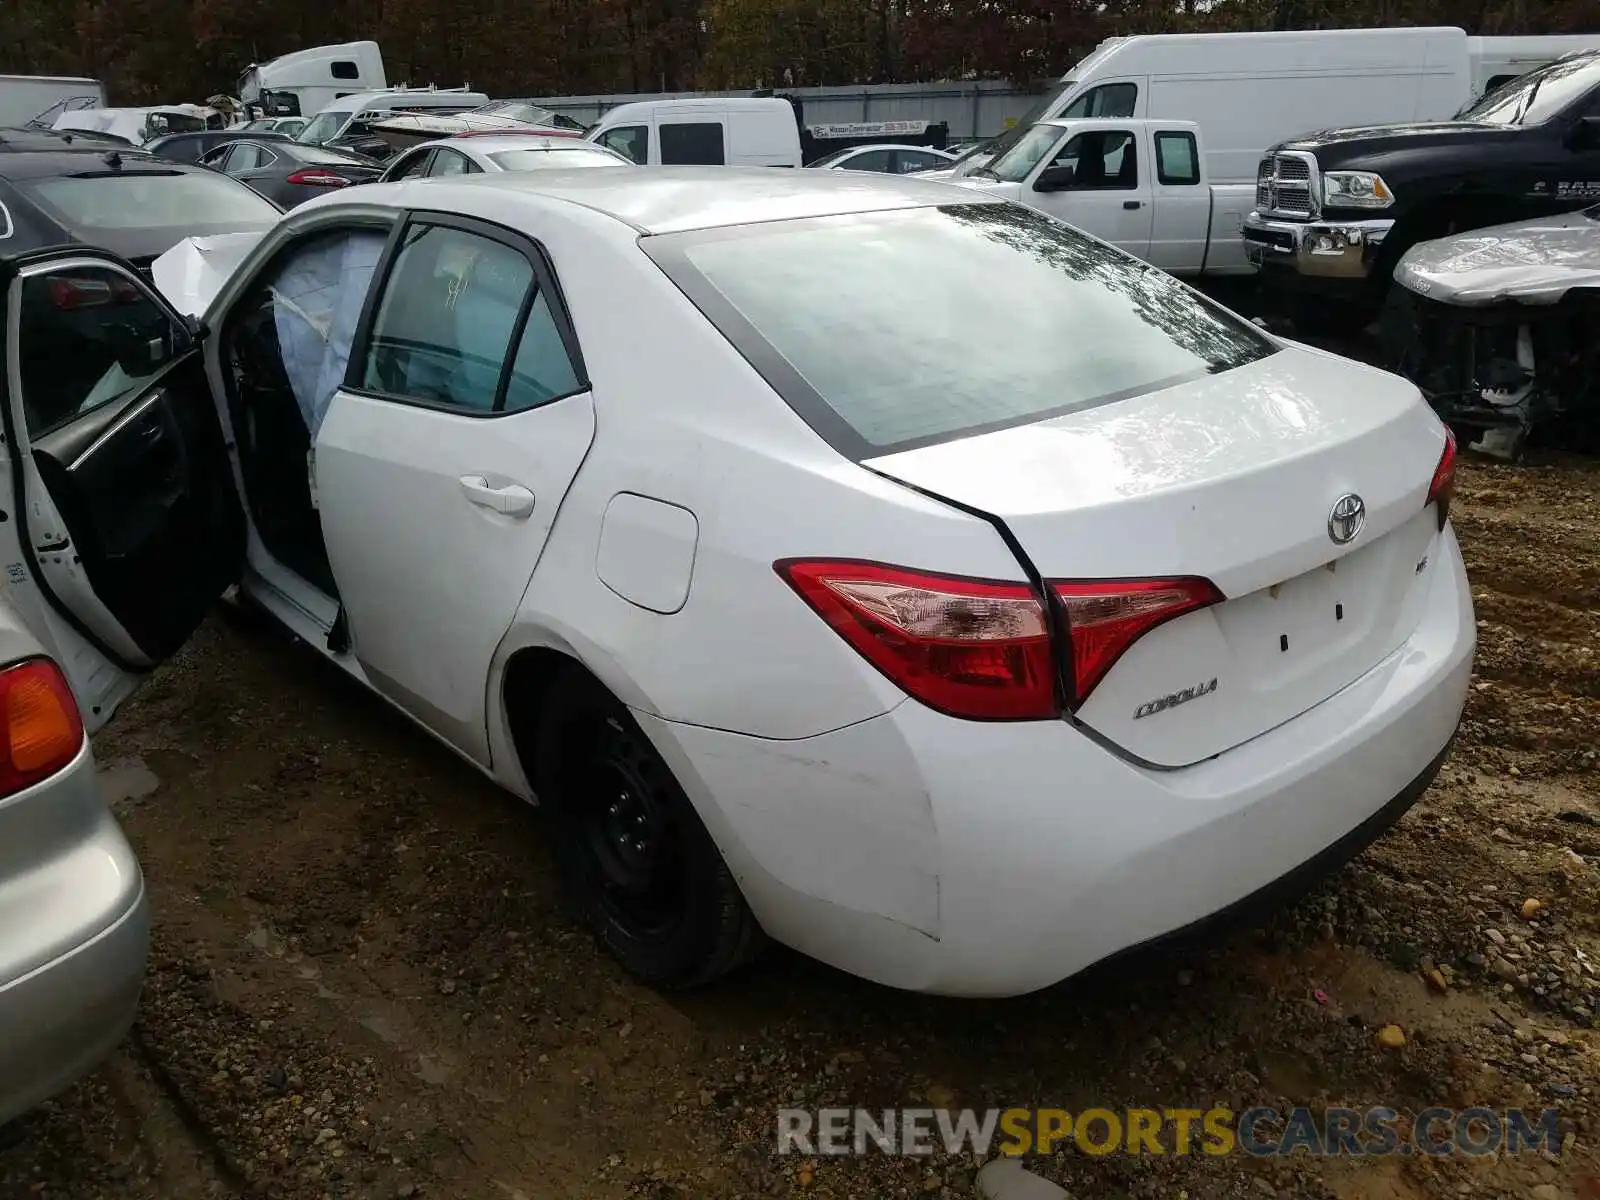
{"type": "Point", "coordinates": [639, 864]}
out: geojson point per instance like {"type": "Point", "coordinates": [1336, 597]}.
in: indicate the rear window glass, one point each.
{"type": "Point", "coordinates": [321, 154]}
{"type": "Point", "coordinates": [891, 330]}
{"type": "Point", "coordinates": [191, 200]}
{"type": "Point", "coordinates": [532, 160]}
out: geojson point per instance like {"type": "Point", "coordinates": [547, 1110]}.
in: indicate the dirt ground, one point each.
{"type": "Point", "coordinates": [363, 984]}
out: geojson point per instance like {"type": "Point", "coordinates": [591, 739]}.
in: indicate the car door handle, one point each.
{"type": "Point", "coordinates": [512, 499]}
{"type": "Point", "coordinates": [1132, 204]}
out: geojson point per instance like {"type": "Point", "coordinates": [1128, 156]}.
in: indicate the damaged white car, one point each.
{"type": "Point", "coordinates": [661, 495]}
{"type": "Point", "coordinates": [1500, 328]}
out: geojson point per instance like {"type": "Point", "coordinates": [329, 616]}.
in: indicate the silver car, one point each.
{"type": "Point", "coordinates": [74, 921]}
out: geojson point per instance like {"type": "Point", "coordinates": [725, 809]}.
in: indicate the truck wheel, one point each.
{"type": "Point", "coordinates": [637, 861]}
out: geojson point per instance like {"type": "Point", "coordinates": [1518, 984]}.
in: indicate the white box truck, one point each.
{"type": "Point", "coordinates": [25, 99]}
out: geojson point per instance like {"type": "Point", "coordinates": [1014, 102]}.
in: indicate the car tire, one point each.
{"type": "Point", "coordinates": [637, 861]}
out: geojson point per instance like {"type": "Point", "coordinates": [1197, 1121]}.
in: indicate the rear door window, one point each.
{"type": "Point", "coordinates": [542, 370]}
{"type": "Point", "coordinates": [452, 162]}
{"type": "Point", "coordinates": [444, 323]}
{"type": "Point", "coordinates": [1177, 158]}
{"type": "Point", "coordinates": [906, 161]}
{"type": "Point", "coordinates": [697, 143]}
{"type": "Point", "coordinates": [414, 167]}
{"type": "Point", "coordinates": [247, 157]}
{"type": "Point", "coordinates": [870, 160]}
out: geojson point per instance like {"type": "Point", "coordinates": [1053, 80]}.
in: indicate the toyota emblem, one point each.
{"type": "Point", "coordinates": [1346, 519]}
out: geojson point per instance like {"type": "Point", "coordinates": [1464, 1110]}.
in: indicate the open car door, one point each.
{"type": "Point", "coordinates": [128, 524]}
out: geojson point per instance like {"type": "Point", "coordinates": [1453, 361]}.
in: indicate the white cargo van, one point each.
{"type": "Point", "coordinates": [25, 99]}
{"type": "Point", "coordinates": [738, 131]}
{"type": "Point", "coordinates": [305, 82]}
{"type": "Point", "coordinates": [1248, 91]}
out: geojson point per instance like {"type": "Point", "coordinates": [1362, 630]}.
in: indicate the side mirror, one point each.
{"type": "Point", "coordinates": [1585, 134]}
{"type": "Point", "coordinates": [195, 331]}
{"type": "Point", "coordinates": [1054, 179]}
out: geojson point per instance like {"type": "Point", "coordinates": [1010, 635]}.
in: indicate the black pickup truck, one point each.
{"type": "Point", "coordinates": [1335, 210]}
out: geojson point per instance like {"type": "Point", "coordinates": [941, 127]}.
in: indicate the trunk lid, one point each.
{"type": "Point", "coordinates": [1232, 478]}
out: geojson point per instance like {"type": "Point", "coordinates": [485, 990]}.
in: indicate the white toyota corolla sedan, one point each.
{"type": "Point", "coordinates": [473, 153]}
{"type": "Point", "coordinates": [659, 496]}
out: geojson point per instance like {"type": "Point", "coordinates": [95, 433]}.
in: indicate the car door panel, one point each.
{"type": "Point", "coordinates": [1113, 203]}
{"type": "Point", "coordinates": [1180, 223]}
{"type": "Point", "coordinates": [423, 498]}
{"type": "Point", "coordinates": [130, 523]}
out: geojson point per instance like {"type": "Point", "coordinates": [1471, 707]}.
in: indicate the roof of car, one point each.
{"type": "Point", "coordinates": [233, 133]}
{"type": "Point", "coordinates": [43, 164]}
{"type": "Point", "coordinates": [636, 109]}
{"type": "Point", "coordinates": [676, 199]}
{"type": "Point", "coordinates": [418, 97]}
{"type": "Point", "coordinates": [889, 146]}
{"type": "Point", "coordinates": [489, 143]}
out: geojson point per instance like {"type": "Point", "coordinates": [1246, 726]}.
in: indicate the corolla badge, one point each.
{"type": "Point", "coordinates": [1161, 703]}
{"type": "Point", "coordinates": [1346, 519]}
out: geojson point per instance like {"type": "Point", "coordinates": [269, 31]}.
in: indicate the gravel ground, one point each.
{"type": "Point", "coordinates": [362, 984]}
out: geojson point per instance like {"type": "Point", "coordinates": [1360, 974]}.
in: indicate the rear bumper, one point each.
{"type": "Point", "coordinates": [995, 859]}
{"type": "Point", "coordinates": [1325, 257]}
{"type": "Point", "coordinates": [74, 938]}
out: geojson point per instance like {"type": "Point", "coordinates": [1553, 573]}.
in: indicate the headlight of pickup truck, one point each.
{"type": "Point", "coordinates": [1355, 189]}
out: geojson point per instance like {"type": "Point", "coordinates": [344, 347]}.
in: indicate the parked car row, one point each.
{"type": "Point", "coordinates": [822, 592]}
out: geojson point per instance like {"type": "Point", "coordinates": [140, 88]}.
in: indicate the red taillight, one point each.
{"type": "Point", "coordinates": [973, 648]}
{"type": "Point", "coordinates": [1443, 488]}
{"type": "Point", "coordinates": [70, 292]}
{"type": "Point", "coordinates": [1106, 616]}
{"type": "Point", "coordinates": [43, 730]}
{"type": "Point", "coordinates": [314, 178]}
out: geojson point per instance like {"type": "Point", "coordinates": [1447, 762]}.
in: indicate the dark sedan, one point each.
{"type": "Point", "coordinates": [290, 173]}
{"type": "Point", "coordinates": [192, 147]}
{"type": "Point", "coordinates": [123, 200]}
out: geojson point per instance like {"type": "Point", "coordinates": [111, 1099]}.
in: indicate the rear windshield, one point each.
{"type": "Point", "coordinates": [331, 157]}
{"type": "Point", "coordinates": [888, 331]}
{"type": "Point", "coordinates": [193, 201]}
{"type": "Point", "coordinates": [566, 156]}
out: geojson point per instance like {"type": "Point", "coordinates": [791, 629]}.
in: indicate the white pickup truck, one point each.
{"type": "Point", "coordinates": [1138, 184]}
